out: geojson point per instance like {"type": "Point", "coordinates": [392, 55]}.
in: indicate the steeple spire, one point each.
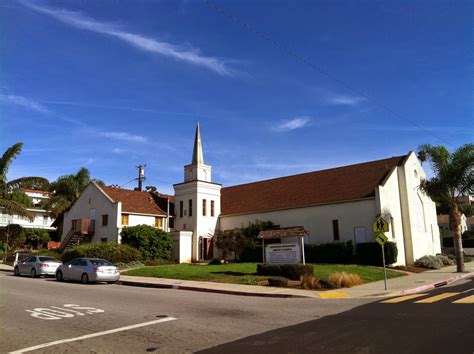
{"type": "Point", "coordinates": [198, 157]}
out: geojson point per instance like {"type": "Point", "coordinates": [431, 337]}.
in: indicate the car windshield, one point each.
{"type": "Point", "coordinates": [100, 262]}
{"type": "Point", "coordinates": [47, 259]}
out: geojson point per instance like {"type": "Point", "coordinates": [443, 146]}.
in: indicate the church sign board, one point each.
{"type": "Point", "coordinates": [283, 253]}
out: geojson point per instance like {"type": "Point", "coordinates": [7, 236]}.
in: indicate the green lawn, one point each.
{"type": "Point", "coordinates": [245, 273]}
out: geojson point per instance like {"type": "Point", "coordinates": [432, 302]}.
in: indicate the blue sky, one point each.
{"type": "Point", "coordinates": [111, 84]}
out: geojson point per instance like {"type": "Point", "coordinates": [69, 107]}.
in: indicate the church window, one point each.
{"type": "Point", "coordinates": [190, 207]}
{"type": "Point", "coordinates": [180, 208]}
{"type": "Point", "coordinates": [212, 208]}
{"type": "Point", "coordinates": [204, 207]}
{"type": "Point", "coordinates": [335, 229]}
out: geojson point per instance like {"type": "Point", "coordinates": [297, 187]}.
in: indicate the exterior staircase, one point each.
{"type": "Point", "coordinates": [81, 229]}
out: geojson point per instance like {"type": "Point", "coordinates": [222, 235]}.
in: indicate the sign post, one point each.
{"type": "Point", "coordinates": [379, 227]}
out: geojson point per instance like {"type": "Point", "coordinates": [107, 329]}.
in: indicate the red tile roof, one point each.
{"type": "Point", "coordinates": [327, 186]}
{"type": "Point", "coordinates": [134, 201]}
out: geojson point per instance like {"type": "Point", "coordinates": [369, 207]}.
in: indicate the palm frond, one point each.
{"type": "Point", "coordinates": [7, 159]}
{"type": "Point", "coordinates": [30, 182]}
{"type": "Point", "coordinates": [12, 207]}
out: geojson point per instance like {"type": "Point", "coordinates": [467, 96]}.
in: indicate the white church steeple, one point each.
{"type": "Point", "coordinates": [197, 170]}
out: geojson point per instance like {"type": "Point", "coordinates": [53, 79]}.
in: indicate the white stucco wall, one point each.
{"type": "Point", "coordinates": [93, 198]}
{"type": "Point", "coordinates": [419, 212]}
{"type": "Point", "coordinates": [389, 207]}
{"type": "Point", "coordinates": [134, 219]}
{"type": "Point", "coordinates": [317, 220]}
{"type": "Point", "coordinates": [41, 220]}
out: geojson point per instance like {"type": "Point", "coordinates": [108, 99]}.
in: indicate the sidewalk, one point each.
{"type": "Point", "coordinates": [397, 286]}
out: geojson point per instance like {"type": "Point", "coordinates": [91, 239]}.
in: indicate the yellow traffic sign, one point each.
{"type": "Point", "coordinates": [380, 225]}
{"type": "Point", "coordinates": [381, 239]}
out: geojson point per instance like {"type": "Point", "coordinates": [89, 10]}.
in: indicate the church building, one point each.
{"type": "Point", "coordinates": [333, 205]}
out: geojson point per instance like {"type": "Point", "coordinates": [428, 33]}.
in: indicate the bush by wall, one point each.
{"type": "Point", "coordinates": [289, 271]}
{"type": "Point", "coordinates": [112, 252]}
{"type": "Point", "coordinates": [152, 243]}
{"type": "Point", "coordinates": [335, 252]}
{"type": "Point", "coordinates": [430, 262]}
{"type": "Point", "coordinates": [370, 253]}
{"type": "Point", "coordinates": [466, 242]}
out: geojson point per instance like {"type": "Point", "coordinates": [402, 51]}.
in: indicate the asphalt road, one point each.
{"type": "Point", "coordinates": [440, 321]}
{"type": "Point", "coordinates": [125, 319]}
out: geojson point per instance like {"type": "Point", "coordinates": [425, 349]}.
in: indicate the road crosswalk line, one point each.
{"type": "Point", "coordinates": [465, 300]}
{"type": "Point", "coordinates": [435, 298]}
{"type": "Point", "coordinates": [401, 298]}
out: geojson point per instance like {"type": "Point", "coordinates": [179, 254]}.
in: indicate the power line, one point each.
{"type": "Point", "coordinates": [307, 62]}
{"type": "Point", "coordinates": [133, 179]}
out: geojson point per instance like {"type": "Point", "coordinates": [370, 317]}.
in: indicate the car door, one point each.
{"type": "Point", "coordinates": [25, 266]}
{"type": "Point", "coordinates": [69, 269]}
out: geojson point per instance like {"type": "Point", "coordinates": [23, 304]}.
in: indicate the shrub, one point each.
{"type": "Point", "coordinates": [46, 252]}
{"type": "Point", "coordinates": [290, 271]}
{"type": "Point", "coordinates": [310, 282]}
{"type": "Point", "coordinates": [467, 234]}
{"type": "Point", "coordinates": [157, 262]}
{"type": "Point", "coordinates": [215, 261]}
{"type": "Point", "coordinates": [112, 252]}
{"type": "Point", "coordinates": [251, 253]}
{"type": "Point", "coordinates": [430, 262]}
{"type": "Point", "coordinates": [130, 265]}
{"type": "Point", "coordinates": [466, 242]}
{"type": "Point", "coordinates": [335, 252]}
{"type": "Point", "coordinates": [445, 260]}
{"type": "Point", "coordinates": [369, 253]}
{"type": "Point", "coordinates": [36, 238]}
{"type": "Point", "coordinates": [277, 281]}
{"type": "Point", "coordinates": [152, 243]}
{"type": "Point", "coordinates": [344, 280]}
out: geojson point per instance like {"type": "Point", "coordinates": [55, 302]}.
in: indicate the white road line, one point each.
{"type": "Point", "coordinates": [92, 335]}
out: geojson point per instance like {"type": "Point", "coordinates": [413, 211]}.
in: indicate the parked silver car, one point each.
{"type": "Point", "coordinates": [88, 270]}
{"type": "Point", "coordinates": [36, 266]}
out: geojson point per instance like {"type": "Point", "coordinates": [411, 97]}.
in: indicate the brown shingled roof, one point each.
{"type": "Point", "coordinates": [319, 187]}
{"type": "Point", "coordinates": [134, 201]}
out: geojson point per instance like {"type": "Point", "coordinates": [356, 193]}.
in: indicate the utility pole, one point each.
{"type": "Point", "coordinates": [141, 175]}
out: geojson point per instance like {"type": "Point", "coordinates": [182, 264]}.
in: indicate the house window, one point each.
{"type": "Point", "coordinates": [212, 208]}
{"type": "Point", "coordinates": [204, 207]}
{"type": "Point", "coordinates": [335, 229]}
{"type": "Point", "coordinates": [180, 208]}
{"type": "Point", "coordinates": [105, 220]}
{"type": "Point", "coordinates": [103, 239]}
{"type": "Point", "coordinates": [190, 207]}
{"type": "Point", "coordinates": [74, 224]}
{"type": "Point", "coordinates": [125, 219]}
{"type": "Point", "coordinates": [159, 222]}
{"type": "Point", "coordinates": [45, 220]}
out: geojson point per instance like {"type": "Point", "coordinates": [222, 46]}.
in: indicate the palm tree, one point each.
{"type": "Point", "coordinates": [8, 202]}
{"type": "Point", "coordinates": [453, 177]}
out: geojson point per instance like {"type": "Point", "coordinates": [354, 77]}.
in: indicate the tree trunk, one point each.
{"type": "Point", "coordinates": [455, 226]}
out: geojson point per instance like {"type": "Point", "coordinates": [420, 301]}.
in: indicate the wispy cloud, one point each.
{"type": "Point", "coordinates": [123, 136]}
{"type": "Point", "coordinates": [292, 124]}
{"type": "Point", "coordinates": [345, 100]}
{"type": "Point", "coordinates": [118, 151]}
{"type": "Point", "coordinates": [177, 52]}
{"type": "Point", "coordinates": [24, 102]}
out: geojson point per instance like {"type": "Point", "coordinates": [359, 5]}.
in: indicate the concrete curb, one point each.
{"type": "Point", "coordinates": [436, 284]}
{"type": "Point", "coordinates": [207, 290]}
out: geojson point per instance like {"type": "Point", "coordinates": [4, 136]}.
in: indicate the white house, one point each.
{"type": "Point", "coordinates": [445, 230]}
{"type": "Point", "coordinates": [42, 219]}
{"type": "Point", "coordinates": [338, 204]}
{"type": "Point", "coordinates": [101, 212]}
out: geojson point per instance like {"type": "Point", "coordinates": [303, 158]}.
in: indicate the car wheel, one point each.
{"type": "Point", "coordinates": [84, 278]}
{"type": "Point", "coordinates": [16, 272]}
{"type": "Point", "coordinates": [33, 273]}
{"type": "Point", "coordinates": [59, 276]}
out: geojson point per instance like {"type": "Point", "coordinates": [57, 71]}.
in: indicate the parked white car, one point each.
{"type": "Point", "coordinates": [88, 270]}
{"type": "Point", "coordinates": [36, 266]}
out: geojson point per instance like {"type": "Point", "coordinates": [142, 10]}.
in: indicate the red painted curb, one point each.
{"type": "Point", "coordinates": [436, 284]}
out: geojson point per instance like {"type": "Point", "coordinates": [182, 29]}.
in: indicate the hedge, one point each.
{"type": "Point", "coordinates": [289, 271]}
{"type": "Point", "coordinates": [335, 252]}
{"type": "Point", "coordinates": [153, 243]}
{"type": "Point", "coordinates": [466, 243]}
{"type": "Point", "coordinates": [112, 252]}
{"type": "Point", "coordinates": [370, 253]}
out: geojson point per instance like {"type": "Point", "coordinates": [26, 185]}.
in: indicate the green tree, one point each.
{"type": "Point", "coordinates": [66, 189]}
{"type": "Point", "coordinates": [153, 243]}
{"type": "Point", "coordinates": [11, 200]}
{"type": "Point", "coordinates": [36, 238]}
{"type": "Point", "coordinates": [453, 177]}
{"type": "Point", "coordinates": [12, 235]}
